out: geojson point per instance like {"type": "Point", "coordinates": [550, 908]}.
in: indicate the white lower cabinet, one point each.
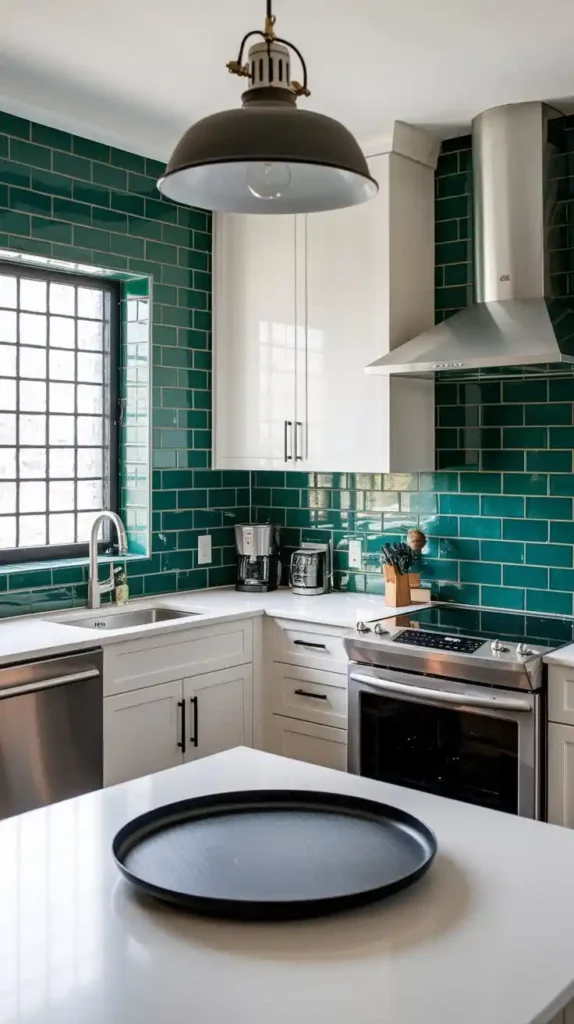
{"type": "Point", "coordinates": [306, 741]}
{"type": "Point", "coordinates": [142, 730]}
{"type": "Point", "coordinates": [162, 726]}
{"type": "Point", "coordinates": [561, 774]}
{"type": "Point", "coordinates": [218, 711]}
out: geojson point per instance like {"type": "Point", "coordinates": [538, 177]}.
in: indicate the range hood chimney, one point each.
{"type": "Point", "coordinates": [515, 320]}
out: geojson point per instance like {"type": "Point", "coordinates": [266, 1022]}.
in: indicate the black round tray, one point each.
{"type": "Point", "coordinates": [273, 854]}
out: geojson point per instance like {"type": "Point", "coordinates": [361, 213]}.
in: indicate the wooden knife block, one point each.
{"type": "Point", "coordinates": [397, 587]}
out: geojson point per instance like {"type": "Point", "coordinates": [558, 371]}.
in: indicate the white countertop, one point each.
{"type": "Point", "coordinates": [564, 656]}
{"type": "Point", "coordinates": [33, 636]}
{"type": "Point", "coordinates": [486, 937]}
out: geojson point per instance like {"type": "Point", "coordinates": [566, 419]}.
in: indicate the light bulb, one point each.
{"type": "Point", "coordinates": [268, 180]}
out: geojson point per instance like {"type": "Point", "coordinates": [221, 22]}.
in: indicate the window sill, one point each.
{"type": "Point", "coordinates": [66, 563]}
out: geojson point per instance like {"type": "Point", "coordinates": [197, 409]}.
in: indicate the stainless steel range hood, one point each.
{"type": "Point", "coordinates": [515, 320]}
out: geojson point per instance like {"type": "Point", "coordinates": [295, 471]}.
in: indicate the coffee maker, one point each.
{"type": "Point", "coordinates": [258, 565]}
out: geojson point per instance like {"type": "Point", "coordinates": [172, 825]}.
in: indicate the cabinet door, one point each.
{"type": "Point", "coordinates": [218, 711]}
{"type": "Point", "coordinates": [142, 730]}
{"type": "Point", "coordinates": [305, 741]}
{"type": "Point", "coordinates": [255, 327]}
{"type": "Point", "coordinates": [561, 774]}
{"type": "Point", "coordinates": [356, 310]}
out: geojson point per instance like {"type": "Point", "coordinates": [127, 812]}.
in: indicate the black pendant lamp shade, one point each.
{"type": "Point", "coordinates": [268, 156]}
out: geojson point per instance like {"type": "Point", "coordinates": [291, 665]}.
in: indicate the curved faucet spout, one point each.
{"type": "Point", "coordinates": [95, 588]}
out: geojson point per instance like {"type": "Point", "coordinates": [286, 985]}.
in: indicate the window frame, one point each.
{"type": "Point", "coordinates": [59, 552]}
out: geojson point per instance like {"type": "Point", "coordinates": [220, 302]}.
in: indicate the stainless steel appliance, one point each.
{"type": "Point", "coordinates": [51, 733]}
{"type": "Point", "coordinates": [310, 569]}
{"type": "Point", "coordinates": [258, 565]}
{"type": "Point", "coordinates": [451, 700]}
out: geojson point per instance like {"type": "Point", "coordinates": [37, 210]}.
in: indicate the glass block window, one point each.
{"type": "Point", "coordinates": [58, 401]}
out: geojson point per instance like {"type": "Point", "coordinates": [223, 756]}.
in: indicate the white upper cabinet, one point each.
{"type": "Point", "coordinates": [303, 304]}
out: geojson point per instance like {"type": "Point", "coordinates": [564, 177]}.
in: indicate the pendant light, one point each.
{"type": "Point", "coordinates": [268, 156]}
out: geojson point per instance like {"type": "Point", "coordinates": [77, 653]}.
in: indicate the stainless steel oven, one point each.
{"type": "Point", "coordinates": [456, 739]}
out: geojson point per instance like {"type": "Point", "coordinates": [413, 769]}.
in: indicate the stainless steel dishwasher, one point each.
{"type": "Point", "coordinates": [51, 731]}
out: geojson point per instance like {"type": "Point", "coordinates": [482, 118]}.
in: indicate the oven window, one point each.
{"type": "Point", "coordinates": [465, 756]}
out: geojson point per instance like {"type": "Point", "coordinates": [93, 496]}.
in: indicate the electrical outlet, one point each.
{"type": "Point", "coordinates": [204, 549]}
{"type": "Point", "coordinates": [355, 554]}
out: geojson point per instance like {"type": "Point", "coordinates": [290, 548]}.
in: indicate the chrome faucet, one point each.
{"type": "Point", "coordinates": [95, 588]}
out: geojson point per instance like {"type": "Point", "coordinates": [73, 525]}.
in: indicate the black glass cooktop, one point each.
{"type": "Point", "coordinates": [514, 627]}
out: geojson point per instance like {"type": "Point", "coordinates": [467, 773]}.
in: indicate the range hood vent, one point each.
{"type": "Point", "coordinates": [515, 325]}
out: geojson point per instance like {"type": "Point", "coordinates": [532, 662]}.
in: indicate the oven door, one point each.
{"type": "Point", "coordinates": [464, 741]}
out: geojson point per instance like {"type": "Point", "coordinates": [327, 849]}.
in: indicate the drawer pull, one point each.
{"type": "Point", "coordinates": [307, 643]}
{"type": "Point", "coordinates": [315, 696]}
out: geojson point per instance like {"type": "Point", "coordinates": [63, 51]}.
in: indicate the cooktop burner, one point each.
{"type": "Point", "coordinates": [440, 641]}
{"type": "Point", "coordinates": [486, 624]}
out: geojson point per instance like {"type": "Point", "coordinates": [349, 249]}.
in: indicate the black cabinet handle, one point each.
{"type": "Point", "coordinates": [307, 643]}
{"type": "Point", "coordinates": [193, 702]}
{"type": "Point", "coordinates": [315, 696]}
{"type": "Point", "coordinates": [298, 456]}
{"type": "Point", "coordinates": [181, 744]}
{"type": "Point", "coordinates": [288, 424]}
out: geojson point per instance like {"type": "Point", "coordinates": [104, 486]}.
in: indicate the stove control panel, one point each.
{"type": "Point", "coordinates": [439, 641]}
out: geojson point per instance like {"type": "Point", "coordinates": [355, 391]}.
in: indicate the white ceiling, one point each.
{"type": "Point", "coordinates": [136, 74]}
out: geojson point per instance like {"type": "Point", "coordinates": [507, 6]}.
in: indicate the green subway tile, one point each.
{"type": "Point", "coordinates": [126, 203]}
{"type": "Point", "coordinates": [110, 177]}
{"type": "Point", "coordinates": [446, 392]}
{"type": "Point", "coordinates": [548, 602]}
{"type": "Point", "coordinates": [550, 461]}
{"type": "Point", "coordinates": [177, 357]}
{"type": "Point", "coordinates": [154, 168]}
{"type": "Point", "coordinates": [193, 498]}
{"type": "Point", "coordinates": [562, 484]}
{"type": "Point", "coordinates": [45, 181]}
{"type": "Point", "coordinates": [484, 392]}
{"type": "Point", "coordinates": [92, 238]}
{"type": "Point", "coordinates": [475, 526]}
{"type": "Point", "coordinates": [161, 253]}
{"type": "Point", "coordinates": [502, 597]}
{"type": "Point", "coordinates": [165, 293]}
{"type": "Point", "coordinates": [202, 241]}
{"type": "Point", "coordinates": [157, 209]}
{"type": "Point", "coordinates": [552, 414]}
{"type": "Point", "coordinates": [68, 575]}
{"type": "Point", "coordinates": [502, 415]}
{"type": "Point", "coordinates": [51, 137]}
{"type": "Point", "coordinates": [28, 201]}
{"type": "Point", "coordinates": [201, 281]}
{"type": "Point", "coordinates": [195, 260]}
{"type": "Point", "coordinates": [454, 297]}
{"type": "Point", "coordinates": [14, 223]}
{"type": "Point", "coordinates": [534, 577]}
{"type": "Point", "coordinates": [525, 391]}
{"type": "Point", "coordinates": [502, 551]}
{"type": "Point", "coordinates": [190, 217]}
{"type": "Point", "coordinates": [109, 220]}
{"type": "Point", "coordinates": [525, 483]}
{"type": "Point", "coordinates": [549, 554]}
{"type": "Point", "coordinates": [504, 460]}
{"type": "Point", "coordinates": [466, 550]}
{"type": "Point", "coordinates": [549, 508]}
{"type": "Point", "coordinates": [179, 276]}
{"type": "Point", "coordinates": [202, 439]}
{"type": "Point", "coordinates": [419, 501]}
{"type": "Point", "coordinates": [52, 230]}
{"type": "Point", "coordinates": [194, 418]}
{"type": "Point", "coordinates": [71, 166]}
{"type": "Point", "coordinates": [449, 209]}
{"type": "Point", "coordinates": [28, 580]}
{"type": "Point", "coordinates": [270, 478]}
{"type": "Point", "coordinates": [561, 390]}
{"type": "Point", "coordinates": [72, 253]}
{"type": "Point", "coordinates": [439, 569]}
{"type": "Point", "coordinates": [459, 504]}
{"type": "Point", "coordinates": [462, 593]}
{"type": "Point", "coordinates": [128, 161]}
{"type": "Point", "coordinates": [14, 174]}
{"type": "Point", "coordinates": [224, 497]}
{"type": "Point", "coordinates": [143, 185]}
{"type": "Point", "coordinates": [192, 379]}
{"type": "Point", "coordinates": [31, 245]}
{"type": "Point", "coordinates": [127, 245]}
{"type": "Point", "coordinates": [562, 533]}
{"type": "Point", "coordinates": [15, 126]}
{"type": "Point", "coordinates": [495, 505]}
{"type": "Point", "coordinates": [526, 437]}
{"type": "Point", "coordinates": [438, 481]}
{"type": "Point", "coordinates": [90, 149]}
{"type": "Point", "coordinates": [528, 529]}
{"type": "Point", "coordinates": [561, 437]}
{"type": "Point", "coordinates": [479, 437]}
{"type": "Point", "coordinates": [440, 526]}
{"type": "Point", "coordinates": [480, 572]}
{"type": "Point", "coordinates": [447, 164]}
{"type": "Point", "coordinates": [31, 154]}
{"type": "Point", "coordinates": [67, 209]}
{"type": "Point", "coordinates": [562, 579]}
{"type": "Point", "coordinates": [175, 235]}
{"type": "Point", "coordinates": [144, 228]}
{"type": "Point", "coordinates": [480, 483]}
{"type": "Point", "coordinates": [175, 316]}
{"type": "Point", "coordinates": [191, 298]}
{"type": "Point", "coordinates": [458, 415]}
{"type": "Point", "coordinates": [160, 583]}
{"type": "Point", "coordinates": [164, 500]}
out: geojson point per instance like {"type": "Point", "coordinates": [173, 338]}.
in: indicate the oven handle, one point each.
{"type": "Point", "coordinates": [444, 697]}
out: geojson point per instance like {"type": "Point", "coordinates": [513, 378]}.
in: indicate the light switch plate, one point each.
{"type": "Point", "coordinates": [204, 549]}
{"type": "Point", "coordinates": [355, 554]}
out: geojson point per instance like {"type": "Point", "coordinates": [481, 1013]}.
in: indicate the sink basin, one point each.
{"type": "Point", "coordinates": [119, 620]}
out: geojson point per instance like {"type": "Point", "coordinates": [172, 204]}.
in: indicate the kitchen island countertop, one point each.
{"type": "Point", "coordinates": [486, 937]}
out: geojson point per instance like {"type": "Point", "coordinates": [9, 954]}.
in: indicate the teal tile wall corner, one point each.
{"type": "Point", "coordinates": [498, 511]}
{"type": "Point", "coordinates": [73, 199]}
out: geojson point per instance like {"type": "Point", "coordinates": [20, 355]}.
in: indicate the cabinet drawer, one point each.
{"type": "Point", "coordinates": [310, 695]}
{"type": "Point", "coordinates": [290, 642]}
{"type": "Point", "coordinates": [176, 655]}
{"type": "Point", "coordinates": [306, 741]}
{"type": "Point", "coordinates": [561, 694]}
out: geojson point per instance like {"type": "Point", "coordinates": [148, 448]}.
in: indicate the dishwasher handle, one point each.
{"type": "Point", "coordinates": [47, 684]}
